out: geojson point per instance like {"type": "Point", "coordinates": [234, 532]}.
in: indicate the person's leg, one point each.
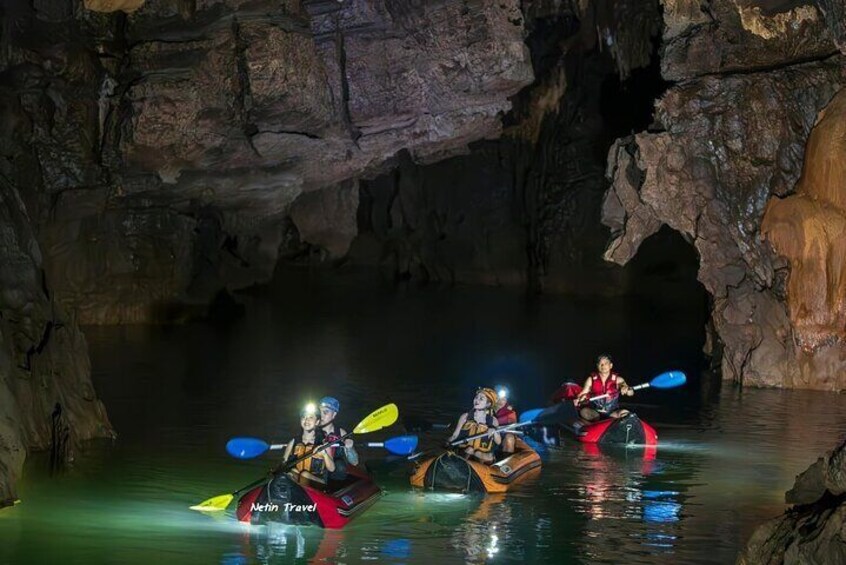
{"type": "Point", "coordinates": [307, 478]}
{"type": "Point", "coordinates": [340, 472]}
{"type": "Point", "coordinates": [484, 457]}
{"type": "Point", "coordinates": [508, 444]}
{"type": "Point", "coordinates": [589, 414]}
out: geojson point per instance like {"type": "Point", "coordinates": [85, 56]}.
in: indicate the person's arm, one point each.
{"type": "Point", "coordinates": [288, 449]}
{"type": "Point", "coordinates": [497, 437]}
{"type": "Point", "coordinates": [458, 427]}
{"type": "Point", "coordinates": [328, 460]}
{"type": "Point", "coordinates": [585, 392]}
{"type": "Point", "coordinates": [624, 387]}
{"type": "Point", "coordinates": [349, 450]}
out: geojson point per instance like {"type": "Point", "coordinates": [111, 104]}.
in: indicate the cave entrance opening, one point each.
{"type": "Point", "coordinates": [663, 291]}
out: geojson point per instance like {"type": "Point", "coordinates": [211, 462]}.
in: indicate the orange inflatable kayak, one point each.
{"type": "Point", "coordinates": [449, 471]}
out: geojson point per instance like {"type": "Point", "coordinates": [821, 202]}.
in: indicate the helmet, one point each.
{"type": "Point", "coordinates": [502, 392]}
{"type": "Point", "coordinates": [489, 393]}
{"type": "Point", "coordinates": [308, 410]}
{"type": "Point", "coordinates": [331, 403]}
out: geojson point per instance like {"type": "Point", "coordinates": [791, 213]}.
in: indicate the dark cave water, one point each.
{"type": "Point", "coordinates": [176, 395]}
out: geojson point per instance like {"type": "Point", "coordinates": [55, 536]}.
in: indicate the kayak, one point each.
{"type": "Point", "coordinates": [627, 430]}
{"type": "Point", "coordinates": [449, 471]}
{"type": "Point", "coordinates": [284, 500]}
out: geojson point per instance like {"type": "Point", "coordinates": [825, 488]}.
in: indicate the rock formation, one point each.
{"type": "Point", "coordinates": [46, 397]}
{"type": "Point", "coordinates": [809, 228]}
{"type": "Point", "coordinates": [167, 144]}
{"type": "Point", "coordinates": [811, 531]}
{"type": "Point", "coordinates": [729, 136]}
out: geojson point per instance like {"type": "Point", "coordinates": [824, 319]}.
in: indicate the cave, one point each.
{"type": "Point", "coordinates": [218, 215]}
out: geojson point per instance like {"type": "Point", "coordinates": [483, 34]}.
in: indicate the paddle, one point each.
{"type": "Point", "coordinates": [670, 379]}
{"type": "Point", "coordinates": [413, 424]}
{"type": "Point", "coordinates": [250, 447]}
{"type": "Point", "coordinates": [375, 421]}
{"type": "Point", "coordinates": [527, 419]}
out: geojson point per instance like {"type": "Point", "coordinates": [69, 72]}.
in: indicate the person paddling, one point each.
{"type": "Point", "coordinates": [480, 420]}
{"type": "Point", "coordinates": [505, 415]}
{"type": "Point", "coordinates": [345, 456]}
{"type": "Point", "coordinates": [313, 469]}
{"type": "Point", "coordinates": [603, 381]}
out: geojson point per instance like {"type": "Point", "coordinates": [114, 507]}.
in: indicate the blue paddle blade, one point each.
{"type": "Point", "coordinates": [401, 445]}
{"type": "Point", "coordinates": [670, 379]}
{"type": "Point", "coordinates": [246, 447]}
{"type": "Point", "coordinates": [530, 415]}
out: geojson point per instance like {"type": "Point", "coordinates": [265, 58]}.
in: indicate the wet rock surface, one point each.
{"type": "Point", "coordinates": [163, 145]}
{"type": "Point", "coordinates": [47, 400]}
{"type": "Point", "coordinates": [727, 139]}
{"type": "Point", "coordinates": [811, 531]}
{"type": "Point", "coordinates": [809, 229]}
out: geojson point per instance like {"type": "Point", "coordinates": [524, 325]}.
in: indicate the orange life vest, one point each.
{"type": "Point", "coordinates": [471, 427]}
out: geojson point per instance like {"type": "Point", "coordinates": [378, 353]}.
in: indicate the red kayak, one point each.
{"type": "Point", "coordinates": [284, 500]}
{"type": "Point", "coordinates": [627, 430]}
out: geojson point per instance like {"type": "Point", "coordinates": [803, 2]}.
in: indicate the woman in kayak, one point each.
{"type": "Point", "coordinates": [481, 420]}
{"type": "Point", "coordinates": [603, 381]}
{"type": "Point", "coordinates": [329, 408]}
{"type": "Point", "coordinates": [314, 469]}
{"type": "Point", "coordinates": [505, 415]}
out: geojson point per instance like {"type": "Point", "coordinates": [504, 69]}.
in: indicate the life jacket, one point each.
{"type": "Point", "coordinates": [471, 427]}
{"type": "Point", "coordinates": [506, 415]}
{"type": "Point", "coordinates": [610, 388]}
{"type": "Point", "coordinates": [314, 465]}
{"type": "Point", "coordinates": [338, 452]}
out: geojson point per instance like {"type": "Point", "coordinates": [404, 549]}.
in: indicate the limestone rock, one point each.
{"type": "Point", "coordinates": [43, 356]}
{"type": "Point", "coordinates": [811, 531]}
{"type": "Point", "coordinates": [809, 228]}
{"type": "Point", "coordinates": [729, 143]}
{"type": "Point", "coordinates": [741, 35]}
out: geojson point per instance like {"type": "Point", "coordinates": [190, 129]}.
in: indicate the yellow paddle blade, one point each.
{"type": "Point", "coordinates": [378, 419]}
{"type": "Point", "coordinates": [215, 504]}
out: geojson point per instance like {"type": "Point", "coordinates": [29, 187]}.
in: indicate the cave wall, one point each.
{"type": "Point", "coordinates": [47, 400]}
{"type": "Point", "coordinates": [730, 135]}
{"type": "Point", "coordinates": [160, 150]}
{"type": "Point", "coordinates": [523, 210]}
{"type": "Point", "coordinates": [809, 229]}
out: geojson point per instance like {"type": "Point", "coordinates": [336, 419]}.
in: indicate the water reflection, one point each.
{"type": "Point", "coordinates": [481, 536]}
{"type": "Point", "coordinates": [622, 508]}
{"type": "Point", "coordinates": [284, 543]}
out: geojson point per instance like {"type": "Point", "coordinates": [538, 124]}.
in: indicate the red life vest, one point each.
{"type": "Point", "coordinates": [610, 386]}
{"type": "Point", "coordinates": [506, 415]}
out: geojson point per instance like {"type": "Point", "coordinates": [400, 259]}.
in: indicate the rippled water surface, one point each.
{"type": "Point", "coordinates": [175, 395]}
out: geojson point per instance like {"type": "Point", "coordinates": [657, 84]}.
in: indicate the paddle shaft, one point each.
{"type": "Point", "coordinates": [491, 432]}
{"type": "Point", "coordinates": [288, 466]}
{"type": "Point", "coordinates": [607, 395]}
{"type": "Point", "coordinates": [319, 449]}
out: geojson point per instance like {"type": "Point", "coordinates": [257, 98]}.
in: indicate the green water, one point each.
{"type": "Point", "coordinates": [175, 395]}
